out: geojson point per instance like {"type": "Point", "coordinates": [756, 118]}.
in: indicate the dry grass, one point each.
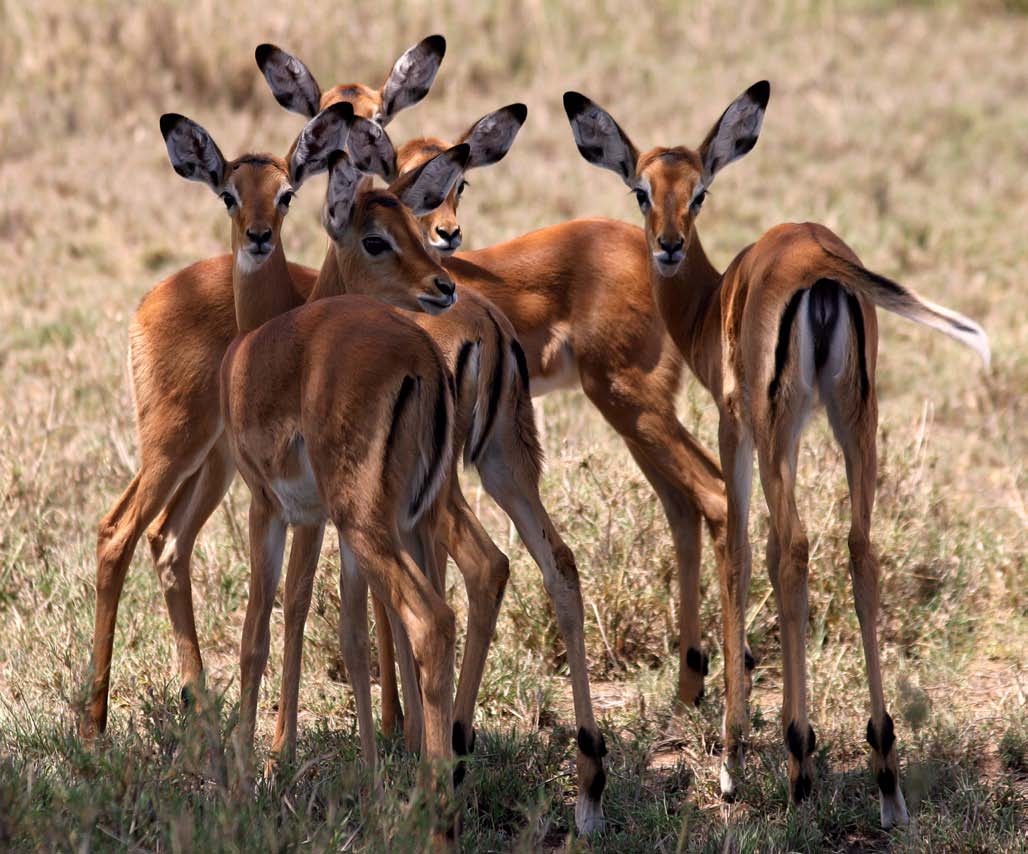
{"type": "Point", "coordinates": [901, 126]}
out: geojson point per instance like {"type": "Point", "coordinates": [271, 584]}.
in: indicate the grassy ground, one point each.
{"type": "Point", "coordinates": [903, 127]}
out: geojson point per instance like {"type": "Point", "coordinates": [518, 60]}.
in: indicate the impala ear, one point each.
{"type": "Point", "coordinates": [736, 132]}
{"type": "Point", "coordinates": [491, 137]}
{"type": "Point", "coordinates": [427, 187]}
{"type": "Point", "coordinates": [371, 150]}
{"type": "Point", "coordinates": [599, 138]}
{"type": "Point", "coordinates": [193, 153]}
{"type": "Point", "coordinates": [412, 76]}
{"type": "Point", "coordinates": [322, 135]}
{"type": "Point", "coordinates": [343, 180]}
{"type": "Point", "coordinates": [292, 84]}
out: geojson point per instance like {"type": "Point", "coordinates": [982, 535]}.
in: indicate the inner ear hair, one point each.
{"type": "Point", "coordinates": [412, 75]}
{"type": "Point", "coordinates": [343, 182]}
{"type": "Point", "coordinates": [371, 150]}
{"type": "Point", "coordinates": [599, 138]}
{"type": "Point", "coordinates": [426, 188]}
{"type": "Point", "coordinates": [735, 133]}
{"type": "Point", "coordinates": [320, 137]}
{"type": "Point", "coordinates": [193, 153]}
{"type": "Point", "coordinates": [492, 135]}
{"type": "Point", "coordinates": [291, 82]}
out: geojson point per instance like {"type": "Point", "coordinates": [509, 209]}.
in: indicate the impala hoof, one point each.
{"type": "Point", "coordinates": [893, 809]}
{"type": "Point", "coordinates": [733, 764]}
{"type": "Point", "coordinates": [589, 815]}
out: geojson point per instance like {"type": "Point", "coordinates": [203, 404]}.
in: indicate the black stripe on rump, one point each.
{"type": "Point", "coordinates": [857, 317]}
{"type": "Point", "coordinates": [495, 387]}
{"type": "Point", "coordinates": [440, 433]}
{"type": "Point", "coordinates": [782, 347]}
{"type": "Point", "coordinates": [522, 362]}
{"type": "Point", "coordinates": [402, 398]}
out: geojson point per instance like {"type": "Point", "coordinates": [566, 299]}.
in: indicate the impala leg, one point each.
{"type": "Point", "coordinates": [172, 538]}
{"type": "Point", "coordinates": [428, 623]}
{"type": "Point", "coordinates": [737, 461]}
{"type": "Point", "coordinates": [686, 478]}
{"type": "Point", "coordinates": [413, 719]}
{"type": "Point", "coordinates": [303, 564]}
{"type": "Point", "coordinates": [520, 500]}
{"type": "Point", "coordinates": [119, 532]}
{"type": "Point", "coordinates": [353, 641]}
{"type": "Point", "coordinates": [392, 712]}
{"type": "Point", "coordinates": [857, 437]}
{"type": "Point", "coordinates": [485, 570]}
{"type": "Point", "coordinates": [267, 544]}
{"type": "Point", "coordinates": [788, 557]}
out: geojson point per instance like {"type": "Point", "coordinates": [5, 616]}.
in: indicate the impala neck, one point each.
{"type": "Point", "coordinates": [330, 281]}
{"type": "Point", "coordinates": [690, 305]}
{"type": "Point", "coordinates": [263, 293]}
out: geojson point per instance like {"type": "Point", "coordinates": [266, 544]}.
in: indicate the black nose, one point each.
{"type": "Point", "coordinates": [448, 236]}
{"type": "Point", "coordinates": [259, 238]}
{"type": "Point", "coordinates": [669, 248]}
{"type": "Point", "coordinates": [446, 286]}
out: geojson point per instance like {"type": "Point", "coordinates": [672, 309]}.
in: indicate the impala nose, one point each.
{"type": "Point", "coordinates": [259, 238]}
{"type": "Point", "coordinates": [445, 285]}
{"type": "Point", "coordinates": [450, 239]}
{"type": "Point", "coordinates": [671, 248]}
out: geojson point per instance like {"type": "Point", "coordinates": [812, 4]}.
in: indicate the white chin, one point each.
{"type": "Point", "coordinates": [247, 262]}
{"type": "Point", "coordinates": [437, 305]}
{"type": "Point", "coordinates": [446, 248]}
{"type": "Point", "coordinates": [665, 269]}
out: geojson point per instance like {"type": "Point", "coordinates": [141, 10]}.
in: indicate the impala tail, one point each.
{"type": "Point", "coordinates": [893, 297]}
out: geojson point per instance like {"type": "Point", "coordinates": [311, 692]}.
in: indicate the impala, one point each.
{"type": "Point", "coordinates": [178, 337]}
{"type": "Point", "coordinates": [579, 298]}
{"type": "Point", "coordinates": [790, 323]}
{"type": "Point", "coordinates": [339, 410]}
{"type": "Point", "coordinates": [495, 428]}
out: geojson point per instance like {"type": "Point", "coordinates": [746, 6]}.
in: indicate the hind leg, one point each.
{"type": "Point", "coordinates": [172, 538]}
{"type": "Point", "coordinates": [855, 430]}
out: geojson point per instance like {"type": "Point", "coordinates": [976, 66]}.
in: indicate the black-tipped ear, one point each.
{"type": "Point", "coordinates": [292, 84]}
{"type": "Point", "coordinates": [599, 138]}
{"type": "Point", "coordinates": [412, 76]}
{"type": "Point", "coordinates": [492, 135]}
{"type": "Point", "coordinates": [428, 186]}
{"type": "Point", "coordinates": [320, 137]}
{"type": "Point", "coordinates": [192, 151]}
{"type": "Point", "coordinates": [371, 150]}
{"type": "Point", "coordinates": [736, 132]}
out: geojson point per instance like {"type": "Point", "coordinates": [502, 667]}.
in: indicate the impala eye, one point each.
{"type": "Point", "coordinates": [285, 199]}
{"type": "Point", "coordinates": [642, 197]}
{"type": "Point", "coordinates": [460, 188]}
{"type": "Point", "coordinates": [697, 203]}
{"type": "Point", "coordinates": [375, 245]}
{"type": "Point", "coordinates": [229, 200]}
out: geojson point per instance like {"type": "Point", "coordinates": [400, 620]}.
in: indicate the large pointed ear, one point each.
{"type": "Point", "coordinates": [412, 76]}
{"type": "Point", "coordinates": [736, 132]}
{"type": "Point", "coordinates": [343, 181]}
{"type": "Point", "coordinates": [292, 84]}
{"type": "Point", "coordinates": [599, 138]}
{"type": "Point", "coordinates": [491, 137]}
{"type": "Point", "coordinates": [424, 189]}
{"type": "Point", "coordinates": [322, 135]}
{"type": "Point", "coordinates": [192, 152]}
{"type": "Point", "coordinates": [371, 150]}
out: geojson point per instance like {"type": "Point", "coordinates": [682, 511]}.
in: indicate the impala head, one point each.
{"type": "Point", "coordinates": [377, 238]}
{"type": "Point", "coordinates": [670, 184]}
{"type": "Point", "coordinates": [256, 189]}
{"type": "Point", "coordinates": [296, 89]}
{"type": "Point", "coordinates": [489, 139]}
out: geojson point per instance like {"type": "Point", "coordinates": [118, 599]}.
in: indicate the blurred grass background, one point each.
{"type": "Point", "coordinates": [903, 126]}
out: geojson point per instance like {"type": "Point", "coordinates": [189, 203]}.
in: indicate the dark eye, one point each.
{"type": "Point", "coordinates": [285, 199]}
{"type": "Point", "coordinates": [229, 200]}
{"type": "Point", "coordinates": [460, 188]}
{"type": "Point", "coordinates": [643, 199]}
{"type": "Point", "coordinates": [697, 203]}
{"type": "Point", "coordinates": [375, 245]}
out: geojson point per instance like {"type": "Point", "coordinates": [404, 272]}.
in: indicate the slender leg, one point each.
{"type": "Point", "coordinates": [777, 455]}
{"type": "Point", "coordinates": [520, 500]}
{"type": "Point", "coordinates": [392, 712]}
{"type": "Point", "coordinates": [267, 544]}
{"type": "Point", "coordinates": [737, 460]}
{"type": "Point", "coordinates": [687, 480]}
{"type": "Point", "coordinates": [353, 640]}
{"type": "Point", "coordinates": [303, 565]}
{"type": "Point", "coordinates": [119, 532]}
{"type": "Point", "coordinates": [856, 433]}
{"type": "Point", "coordinates": [172, 538]}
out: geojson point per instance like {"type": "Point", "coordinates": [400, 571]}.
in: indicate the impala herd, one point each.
{"type": "Point", "coordinates": [350, 394]}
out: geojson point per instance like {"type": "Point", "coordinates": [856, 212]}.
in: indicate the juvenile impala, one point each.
{"type": "Point", "coordinates": [494, 427]}
{"type": "Point", "coordinates": [792, 321]}
{"type": "Point", "coordinates": [579, 298]}
{"type": "Point", "coordinates": [178, 337]}
{"type": "Point", "coordinates": [339, 410]}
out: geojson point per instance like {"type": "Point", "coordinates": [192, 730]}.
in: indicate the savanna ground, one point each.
{"type": "Point", "coordinates": [902, 126]}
